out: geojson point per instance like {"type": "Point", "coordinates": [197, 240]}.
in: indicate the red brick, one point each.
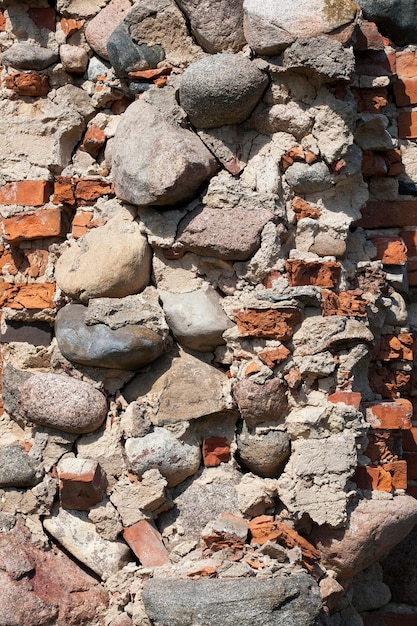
{"type": "Point", "coordinates": [384, 447]}
{"type": "Point", "coordinates": [368, 37]}
{"type": "Point", "coordinates": [26, 192]}
{"type": "Point", "coordinates": [146, 542]}
{"type": "Point", "coordinates": [389, 415]}
{"type": "Point", "coordinates": [30, 262]}
{"type": "Point", "coordinates": [70, 26]}
{"type": "Point", "coordinates": [406, 64]}
{"type": "Point", "coordinates": [304, 209]}
{"type": "Point", "coordinates": [410, 239]}
{"type": "Point", "coordinates": [410, 440]}
{"type": "Point", "coordinates": [351, 398]}
{"type": "Point", "coordinates": [273, 356]}
{"type": "Point", "coordinates": [82, 484]}
{"type": "Point", "coordinates": [81, 223]}
{"type": "Point", "coordinates": [303, 273]}
{"type": "Point", "coordinates": [2, 21]}
{"type": "Point", "coordinates": [371, 100]}
{"type": "Point", "coordinates": [389, 250]}
{"type": "Point", "coordinates": [43, 223]}
{"type": "Point", "coordinates": [151, 74]}
{"type": "Point", "coordinates": [393, 159]}
{"type": "Point", "coordinates": [388, 382]}
{"type": "Point", "coordinates": [405, 91]}
{"type": "Point", "coordinates": [24, 296]}
{"type": "Point", "coordinates": [269, 323]}
{"type": "Point", "coordinates": [399, 472]}
{"type": "Point", "coordinates": [94, 140]}
{"type": "Point", "coordinates": [216, 450]}
{"type": "Point", "coordinates": [347, 303]}
{"type": "Point", "coordinates": [375, 62]}
{"type": "Point", "coordinates": [394, 347]}
{"type": "Point", "coordinates": [64, 191]}
{"type": "Point", "coordinates": [412, 272]}
{"type": "Point", "coordinates": [373, 478]}
{"type": "Point", "coordinates": [30, 84]}
{"type": "Point", "coordinates": [398, 213]}
{"type": "Point", "coordinates": [411, 459]}
{"type": "Point", "coordinates": [43, 18]}
{"type": "Point", "coordinates": [373, 164]}
{"type": "Point", "coordinates": [87, 191]}
{"type": "Point", "coordinates": [407, 124]}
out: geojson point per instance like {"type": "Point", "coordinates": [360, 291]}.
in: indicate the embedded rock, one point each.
{"type": "Point", "coordinates": [26, 57]}
{"type": "Point", "coordinates": [400, 570]}
{"type": "Point", "coordinates": [61, 402]}
{"type": "Point", "coordinates": [216, 27]}
{"type": "Point", "coordinates": [126, 56]}
{"type": "Point", "coordinates": [325, 57]}
{"type": "Point", "coordinates": [304, 178]}
{"type": "Point", "coordinates": [17, 468]}
{"type": "Point", "coordinates": [196, 318]}
{"type": "Point", "coordinates": [264, 454]}
{"type": "Point", "coordinates": [269, 27]}
{"type": "Point", "coordinates": [395, 20]}
{"type": "Point", "coordinates": [261, 403]}
{"type": "Point", "coordinates": [140, 176]}
{"type": "Point", "coordinates": [100, 28]}
{"type": "Point", "coordinates": [374, 528]}
{"type": "Point", "coordinates": [232, 234]}
{"type": "Point", "coordinates": [160, 449]}
{"type": "Point", "coordinates": [221, 89]}
{"type": "Point", "coordinates": [129, 347]}
{"type": "Point", "coordinates": [318, 334]}
{"type": "Point", "coordinates": [248, 602]}
{"type": "Point", "coordinates": [74, 60]}
{"type": "Point", "coordinates": [87, 269]}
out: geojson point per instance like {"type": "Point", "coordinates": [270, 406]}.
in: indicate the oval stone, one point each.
{"type": "Point", "coordinates": [129, 347]}
{"type": "Point", "coordinates": [61, 402]}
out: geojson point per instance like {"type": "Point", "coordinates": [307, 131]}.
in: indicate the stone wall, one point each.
{"type": "Point", "coordinates": [208, 313]}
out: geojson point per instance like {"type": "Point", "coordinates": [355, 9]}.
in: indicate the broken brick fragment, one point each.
{"type": "Point", "coordinates": [82, 483]}
{"type": "Point", "coordinates": [389, 250]}
{"type": "Point", "coordinates": [227, 532]}
{"type": "Point", "coordinates": [216, 450]}
{"type": "Point", "coordinates": [269, 323]}
{"type": "Point", "coordinates": [146, 542]}
{"type": "Point", "coordinates": [70, 26]}
{"type": "Point", "coordinates": [273, 356]}
{"type": "Point", "coordinates": [315, 273]}
{"type": "Point", "coordinates": [26, 296]}
{"type": "Point", "coordinates": [303, 209]}
{"type": "Point", "coordinates": [389, 415]}
{"type": "Point", "coordinates": [43, 17]}
{"type": "Point", "coordinates": [346, 303]}
{"type": "Point", "coordinates": [351, 398]}
{"type": "Point", "coordinates": [28, 226]}
{"type": "Point", "coordinates": [30, 84]}
{"type": "Point", "coordinates": [94, 140]}
{"type": "Point", "coordinates": [394, 348]}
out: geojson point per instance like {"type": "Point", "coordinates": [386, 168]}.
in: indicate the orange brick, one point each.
{"type": "Point", "coordinates": [410, 239]}
{"type": "Point", "coordinates": [216, 450]}
{"type": "Point", "coordinates": [398, 213]}
{"type": "Point", "coordinates": [64, 191]}
{"type": "Point", "coordinates": [87, 191]}
{"type": "Point", "coordinates": [146, 542]}
{"type": "Point", "coordinates": [303, 273]}
{"type": "Point", "coordinates": [347, 303]}
{"type": "Point", "coordinates": [405, 91]}
{"type": "Point", "coordinates": [43, 223]}
{"type": "Point", "coordinates": [406, 64]}
{"type": "Point", "coordinates": [273, 356]}
{"type": "Point", "coordinates": [80, 223]}
{"type": "Point", "coordinates": [269, 323]}
{"type": "Point", "coordinates": [24, 296]}
{"type": "Point", "coordinates": [351, 398]}
{"type": "Point", "coordinates": [398, 471]}
{"type": "Point", "coordinates": [407, 124]}
{"type": "Point", "coordinates": [384, 446]}
{"type": "Point", "coordinates": [94, 140]}
{"type": "Point", "coordinates": [43, 18]}
{"type": "Point", "coordinates": [30, 84]}
{"type": "Point", "coordinates": [2, 21]}
{"type": "Point", "coordinates": [395, 347]}
{"type": "Point", "coordinates": [303, 209]}
{"type": "Point", "coordinates": [393, 159]}
{"type": "Point", "coordinates": [151, 74]}
{"type": "Point", "coordinates": [26, 192]}
{"type": "Point", "coordinates": [410, 440]}
{"type": "Point", "coordinates": [373, 478]}
{"type": "Point", "coordinates": [389, 415]}
{"type": "Point", "coordinates": [70, 26]}
{"type": "Point", "coordinates": [82, 483]}
{"type": "Point", "coordinates": [389, 250]}
{"type": "Point", "coordinates": [388, 382]}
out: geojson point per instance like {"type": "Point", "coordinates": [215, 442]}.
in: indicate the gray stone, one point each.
{"type": "Point", "coordinates": [61, 402]}
{"type": "Point", "coordinates": [318, 334]}
{"type": "Point", "coordinates": [17, 469]}
{"type": "Point", "coordinates": [395, 18]}
{"type": "Point", "coordinates": [23, 56]}
{"type": "Point", "coordinates": [196, 319]}
{"type": "Point", "coordinates": [218, 27]}
{"type": "Point", "coordinates": [100, 28]}
{"type": "Point", "coordinates": [126, 56]}
{"type": "Point", "coordinates": [370, 593]}
{"type": "Point", "coordinates": [264, 454]}
{"type": "Point", "coordinates": [290, 118]}
{"type": "Point", "coordinates": [256, 495]}
{"type": "Point", "coordinates": [371, 132]}
{"type": "Point", "coordinates": [175, 459]}
{"type": "Point", "coordinates": [36, 333]}
{"type": "Point", "coordinates": [232, 234]}
{"type": "Point", "coordinates": [317, 365]}
{"type": "Point", "coordinates": [304, 178]}
{"type": "Point", "coordinates": [129, 347]}
{"type": "Point", "coordinates": [327, 58]}
{"type": "Point", "coordinates": [261, 403]}
{"type": "Point", "coordinates": [96, 67]}
{"type": "Point", "coordinates": [74, 59]}
{"type": "Point", "coordinates": [221, 89]}
{"type": "Point", "coordinates": [140, 176]}
{"type": "Point", "coordinates": [248, 602]}
{"type": "Point", "coordinates": [270, 27]}
{"type": "Point", "coordinates": [132, 499]}
{"type": "Point", "coordinates": [87, 269]}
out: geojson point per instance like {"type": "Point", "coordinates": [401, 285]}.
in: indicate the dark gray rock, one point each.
{"type": "Point", "coordinates": [26, 57]}
{"type": "Point", "coordinates": [247, 601]}
{"type": "Point", "coordinates": [323, 56]}
{"type": "Point", "coordinates": [17, 469]}
{"type": "Point", "coordinates": [126, 56]}
{"type": "Point", "coordinates": [304, 178]}
{"type": "Point", "coordinates": [395, 18]}
{"type": "Point", "coordinates": [129, 347]}
{"type": "Point", "coordinates": [400, 570]}
{"type": "Point", "coordinates": [36, 333]}
{"type": "Point", "coordinates": [221, 89]}
{"type": "Point", "coordinates": [264, 454]}
{"type": "Point", "coordinates": [12, 380]}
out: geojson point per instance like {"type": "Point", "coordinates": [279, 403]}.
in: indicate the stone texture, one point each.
{"type": "Point", "coordinates": [269, 29]}
{"type": "Point", "coordinates": [100, 28]}
{"type": "Point", "coordinates": [264, 454]}
{"type": "Point", "coordinates": [327, 58]}
{"type": "Point", "coordinates": [336, 332]}
{"type": "Point", "coordinates": [196, 319]}
{"type": "Point", "coordinates": [217, 28]}
{"type": "Point", "coordinates": [304, 178]}
{"type": "Point", "coordinates": [375, 527]}
{"type": "Point", "coordinates": [97, 345]}
{"type": "Point", "coordinates": [87, 269]}
{"type": "Point", "coordinates": [160, 449]}
{"type": "Point", "coordinates": [249, 602]}
{"type": "Point", "coordinates": [399, 26]}
{"type": "Point", "coordinates": [131, 499]}
{"type": "Point", "coordinates": [61, 402]}
{"type": "Point", "coordinates": [146, 542]}
{"type": "Point", "coordinates": [232, 235]}
{"type": "Point", "coordinates": [144, 179]}
{"type": "Point", "coordinates": [78, 535]}
{"type": "Point", "coordinates": [27, 57]}
{"type": "Point", "coordinates": [17, 468]}
{"type": "Point", "coordinates": [261, 402]}
{"type": "Point", "coordinates": [74, 60]}
{"type": "Point", "coordinates": [221, 89]}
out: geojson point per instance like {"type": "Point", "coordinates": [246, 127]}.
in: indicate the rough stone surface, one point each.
{"type": "Point", "coordinates": [261, 403]}
{"type": "Point", "coordinates": [399, 25]}
{"type": "Point", "coordinates": [26, 57]}
{"type": "Point", "coordinates": [17, 469]}
{"type": "Point", "coordinates": [318, 334]}
{"type": "Point", "coordinates": [87, 269]}
{"type": "Point", "coordinates": [274, 602]}
{"type": "Point", "coordinates": [325, 57]}
{"type": "Point", "coordinates": [264, 454]}
{"type": "Point", "coordinates": [104, 23]}
{"type": "Point", "coordinates": [61, 402]}
{"type": "Point", "coordinates": [303, 178]}
{"type": "Point", "coordinates": [221, 89]}
{"type": "Point", "coordinates": [139, 175]}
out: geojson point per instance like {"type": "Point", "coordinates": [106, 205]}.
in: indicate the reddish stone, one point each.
{"type": "Point", "coordinates": [81, 223]}
{"type": "Point", "coordinates": [390, 250]}
{"type": "Point", "coordinates": [269, 323]}
{"type": "Point", "coordinates": [23, 296]}
{"type": "Point", "coordinates": [389, 415]}
{"type": "Point", "coordinates": [388, 382]}
{"type": "Point", "coordinates": [410, 440]}
{"type": "Point", "coordinates": [216, 450]}
{"type": "Point", "coordinates": [315, 273]}
{"type": "Point", "coordinates": [87, 191]}
{"type": "Point", "coordinates": [373, 164]}
{"type": "Point", "coordinates": [43, 18]}
{"type": "Point", "coordinates": [94, 140]}
{"type": "Point", "coordinates": [26, 193]}
{"type": "Point", "coordinates": [30, 84]}
{"type": "Point", "coordinates": [351, 398]}
{"type": "Point", "coordinates": [304, 209]}
{"type": "Point", "coordinates": [347, 303]}
{"type": "Point", "coordinates": [368, 37]}
{"type": "Point", "coordinates": [395, 347]}
{"type": "Point", "coordinates": [261, 403]}
{"type": "Point", "coordinates": [151, 74]}
{"type": "Point", "coordinates": [384, 447]}
{"type": "Point", "coordinates": [70, 26]}
{"type": "Point", "coordinates": [38, 225]}
{"type": "Point", "coordinates": [146, 542]}
{"type": "Point", "coordinates": [293, 378]}
{"type": "Point", "coordinates": [384, 214]}
{"type": "Point", "coordinates": [2, 21]}
{"type": "Point", "coordinates": [371, 100]}
{"type": "Point", "coordinates": [64, 191]}
{"type": "Point", "coordinates": [82, 484]}
{"type": "Point", "coordinates": [407, 124]}
{"type": "Point", "coordinates": [273, 356]}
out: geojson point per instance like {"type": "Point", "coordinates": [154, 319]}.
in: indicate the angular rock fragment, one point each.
{"type": "Point", "coordinates": [398, 25]}
{"type": "Point", "coordinates": [17, 468]}
{"type": "Point", "coordinates": [325, 57]}
{"type": "Point", "coordinates": [82, 483]}
{"type": "Point", "coordinates": [318, 334]}
{"type": "Point", "coordinates": [146, 543]}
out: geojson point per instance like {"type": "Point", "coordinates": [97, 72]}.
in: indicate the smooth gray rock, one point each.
{"type": "Point", "coordinates": [247, 601]}
{"type": "Point", "coordinates": [265, 454]}
{"type": "Point", "coordinates": [221, 89]}
{"type": "Point", "coordinates": [61, 402]}
{"type": "Point", "coordinates": [126, 56]}
{"type": "Point", "coordinates": [160, 449]}
{"type": "Point", "coordinates": [261, 403]}
{"type": "Point", "coordinates": [232, 234]}
{"type": "Point", "coordinates": [217, 26]}
{"type": "Point", "coordinates": [196, 318]}
{"type": "Point", "coordinates": [395, 18]}
{"type": "Point", "coordinates": [129, 347]}
{"type": "Point", "coordinates": [304, 178]}
{"type": "Point", "coordinates": [325, 57]}
{"type": "Point", "coordinates": [24, 56]}
{"type": "Point", "coordinates": [17, 469]}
